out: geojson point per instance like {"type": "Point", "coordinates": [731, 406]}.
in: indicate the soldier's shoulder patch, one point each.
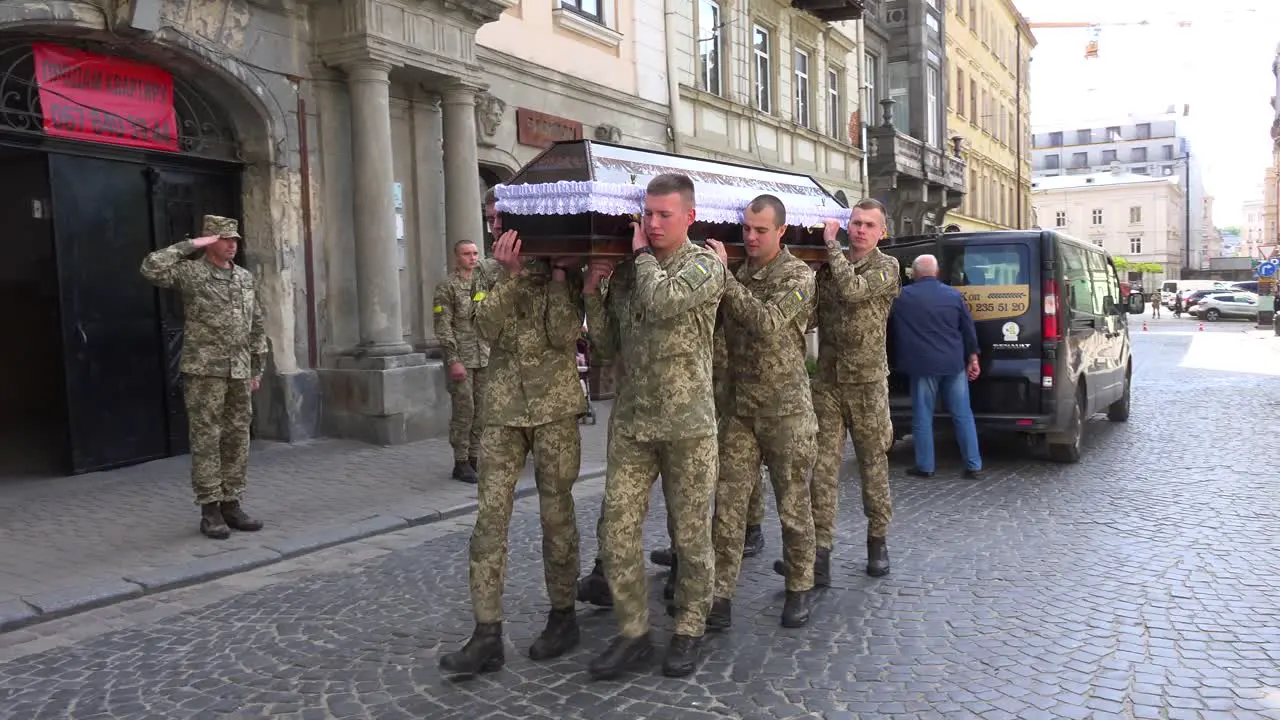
{"type": "Point", "coordinates": [479, 296]}
{"type": "Point", "coordinates": [697, 272]}
{"type": "Point", "coordinates": [438, 309]}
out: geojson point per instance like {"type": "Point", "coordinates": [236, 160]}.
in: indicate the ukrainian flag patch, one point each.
{"type": "Point", "coordinates": [884, 276]}
{"type": "Point", "coordinates": [438, 309]}
{"type": "Point", "coordinates": [703, 267]}
{"type": "Point", "coordinates": [479, 296]}
{"type": "Point", "coordinates": [799, 294]}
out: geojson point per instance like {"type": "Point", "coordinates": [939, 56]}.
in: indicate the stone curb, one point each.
{"type": "Point", "coordinates": [35, 609]}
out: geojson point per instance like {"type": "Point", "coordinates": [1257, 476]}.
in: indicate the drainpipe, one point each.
{"type": "Point", "coordinates": [1017, 90]}
{"type": "Point", "coordinates": [309, 273]}
{"type": "Point", "coordinates": [864, 113]}
{"type": "Point", "coordinates": [673, 82]}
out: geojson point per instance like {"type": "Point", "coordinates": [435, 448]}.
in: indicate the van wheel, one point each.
{"type": "Point", "coordinates": [1069, 451]}
{"type": "Point", "coordinates": [1118, 411]}
{"type": "Point", "coordinates": [1212, 315]}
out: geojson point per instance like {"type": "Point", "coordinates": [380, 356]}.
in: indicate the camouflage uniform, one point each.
{"type": "Point", "coordinates": [851, 389]}
{"type": "Point", "coordinates": [770, 414]}
{"type": "Point", "coordinates": [223, 349]}
{"type": "Point", "coordinates": [454, 310]}
{"type": "Point", "coordinates": [720, 380]}
{"type": "Point", "coordinates": [659, 317]}
{"type": "Point", "coordinates": [532, 404]}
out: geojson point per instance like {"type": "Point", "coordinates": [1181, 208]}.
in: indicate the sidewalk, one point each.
{"type": "Point", "coordinates": [70, 544]}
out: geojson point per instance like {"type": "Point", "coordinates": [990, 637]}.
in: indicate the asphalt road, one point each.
{"type": "Point", "coordinates": [1139, 583]}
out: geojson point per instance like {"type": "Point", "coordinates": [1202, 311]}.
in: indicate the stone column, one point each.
{"type": "Point", "coordinates": [377, 265]}
{"type": "Point", "coordinates": [462, 211]}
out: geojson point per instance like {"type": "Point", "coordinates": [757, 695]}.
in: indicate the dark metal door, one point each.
{"type": "Point", "coordinates": [179, 201]}
{"type": "Point", "coordinates": [102, 230]}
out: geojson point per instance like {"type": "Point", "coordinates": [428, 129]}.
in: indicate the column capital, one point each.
{"type": "Point", "coordinates": [368, 70]}
{"type": "Point", "coordinates": [461, 93]}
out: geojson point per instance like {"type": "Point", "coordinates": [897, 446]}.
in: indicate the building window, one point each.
{"type": "Point", "coordinates": [1084, 137]}
{"type": "Point", "coordinates": [589, 8]}
{"type": "Point", "coordinates": [973, 102]}
{"type": "Point", "coordinates": [1168, 152]}
{"type": "Point", "coordinates": [710, 42]}
{"type": "Point", "coordinates": [764, 68]}
{"type": "Point", "coordinates": [834, 107]}
{"type": "Point", "coordinates": [973, 15]}
{"type": "Point", "coordinates": [1055, 139]}
{"type": "Point", "coordinates": [1135, 214]}
{"type": "Point", "coordinates": [1052, 162]}
{"type": "Point", "coordinates": [1144, 131]}
{"type": "Point", "coordinates": [899, 92]}
{"type": "Point", "coordinates": [1079, 160]}
{"type": "Point", "coordinates": [1097, 216]}
{"type": "Point", "coordinates": [960, 92]}
{"type": "Point", "coordinates": [1108, 157]}
{"type": "Point", "coordinates": [871, 71]}
{"type": "Point", "coordinates": [934, 120]}
{"type": "Point", "coordinates": [960, 12]}
{"type": "Point", "coordinates": [1097, 240]}
{"type": "Point", "coordinates": [1060, 218]}
{"type": "Point", "coordinates": [801, 66]}
{"type": "Point", "coordinates": [1138, 155]}
{"type": "Point", "coordinates": [1135, 244]}
{"type": "Point", "coordinates": [1113, 134]}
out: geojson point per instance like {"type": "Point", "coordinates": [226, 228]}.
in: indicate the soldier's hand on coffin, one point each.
{"type": "Point", "coordinates": [600, 269]}
{"type": "Point", "coordinates": [205, 241]}
{"type": "Point", "coordinates": [507, 252]}
{"type": "Point", "coordinates": [718, 248]}
{"type": "Point", "coordinates": [457, 372]}
{"type": "Point", "coordinates": [638, 239]}
{"type": "Point", "coordinates": [254, 384]}
{"type": "Point", "coordinates": [830, 231]}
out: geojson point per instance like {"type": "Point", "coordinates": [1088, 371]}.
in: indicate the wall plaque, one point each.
{"type": "Point", "coordinates": [541, 130]}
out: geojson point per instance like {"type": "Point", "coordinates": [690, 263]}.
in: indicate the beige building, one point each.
{"type": "Point", "coordinates": [1137, 217]}
{"type": "Point", "coordinates": [989, 46]}
{"type": "Point", "coordinates": [1254, 231]}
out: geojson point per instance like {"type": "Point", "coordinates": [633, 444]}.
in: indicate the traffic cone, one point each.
{"type": "Point", "coordinates": [1201, 327]}
{"type": "Point", "coordinates": [1144, 326]}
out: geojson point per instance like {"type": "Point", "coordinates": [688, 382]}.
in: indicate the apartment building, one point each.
{"type": "Point", "coordinates": [989, 46]}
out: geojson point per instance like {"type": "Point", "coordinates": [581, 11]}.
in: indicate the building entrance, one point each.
{"type": "Point", "coordinates": [89, 377]}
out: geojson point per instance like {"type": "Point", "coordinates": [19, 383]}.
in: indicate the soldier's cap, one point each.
{"type": "Point", "coordinates": [223, 227]}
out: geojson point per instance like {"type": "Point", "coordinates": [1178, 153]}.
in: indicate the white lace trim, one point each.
{"type": "Point", "coordinates": [716, 204]}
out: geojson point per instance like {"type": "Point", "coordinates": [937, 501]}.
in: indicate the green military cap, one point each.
{"type": "Point", "coordinates": [221, 226]}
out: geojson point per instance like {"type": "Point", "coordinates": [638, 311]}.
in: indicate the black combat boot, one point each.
{"type": "Point", "coordinates": [594, 588]}
{"type": "Point", "coordinates": [474, 462]}
{"type": "Point", "coordinates": [721, 615]}
{"type": "Point", "coordinates": [796, 610]}
{"type": "Point", "coordinates": [212, 524]}
{"type": "Point", "coordinates": [238, 519]}
{"type": "Point", "coordinates": [559, 637]}
{"type": "Point", "coordinates": [754, 543]}
{"type": "Point", "coordinates": [682, 656]}
{"type": "Point", "coordinates": [623, 654]}
{"type": "Point", "coordinates": [669, 589]}
{"type": "Point", "coordinates": [821, 567]}
{"type": "Point", "coordinates": [482, 653]}
{"type": "Point", "coordinates": [662, 557]}
{"type": "Point", "coordinates": [877, 557]}
{"type": "Point", "coordinates": [464, 472]}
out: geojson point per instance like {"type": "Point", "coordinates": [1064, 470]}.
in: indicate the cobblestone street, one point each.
{"type": "Point", "coordinates": [1138, 583]}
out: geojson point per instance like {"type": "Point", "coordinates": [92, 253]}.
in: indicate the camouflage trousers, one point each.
{"type": "Point", "coordinates": [688, 469]}
{"type": "Point", "coordinates": [861, 409]}
{"type": "Point", "coordinates": [467, 422]}
{"type": "Point", "coordinates": [219, 411]}
{"type": "Point", "coordinates": [755, 504]}
{"type": "Point", "coordinates": [557, 455]}
{"type": "Point", "coordinates": [786, 445]}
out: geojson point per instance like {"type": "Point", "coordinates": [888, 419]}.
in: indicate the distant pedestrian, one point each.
{"type": "Point", "coordinates": [1155, 305]}
{"type": "Point", "coordinates": [936, 347]}
{"type": "Point", "coordinates": [223, 352]}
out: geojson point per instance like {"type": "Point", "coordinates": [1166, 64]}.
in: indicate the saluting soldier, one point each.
{"type": "Point", "coordinates": [659, 317]}
{"type": "Point", "coordinates": [851, 389]}
{"type": "Point", "coordinates": [532, 318]}
{"type": "Point", "coordinates": [766, 306]}
{"type": "Point", "coordinates": [223, 352]}
{"type": "Point", "coordinates": [466, 355]}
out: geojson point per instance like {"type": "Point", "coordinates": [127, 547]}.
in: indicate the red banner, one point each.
{"type": "Point", "coordinates": [91, 97]}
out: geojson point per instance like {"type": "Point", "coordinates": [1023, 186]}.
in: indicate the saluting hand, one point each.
{"type": "Point", "coordinates": [205, 241]}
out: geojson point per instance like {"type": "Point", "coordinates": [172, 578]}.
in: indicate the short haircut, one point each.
{"type": "Point", "coordinates": [871, 204]}
{"type": "Point", "coordinates": [490, 197]}
{"type": "Point", "coordinates": [460, 243]}
{"type": "Point", "coordinates": [669, 183]}
{"type": "Point", "coordinates": [770, 201]}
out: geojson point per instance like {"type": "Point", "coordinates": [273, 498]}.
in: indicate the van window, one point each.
{"type": "Point", "coordinates": [1170, 286]}
{"type": "Point", "coordinates": [1075, 271]}
{"type": "Point", "coordinates": [1102, 284]}
{"type": "Point", "coordinates": [994, 279]}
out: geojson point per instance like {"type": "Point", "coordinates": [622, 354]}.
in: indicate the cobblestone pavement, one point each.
{"type": "Point", "coordinates": [1139, 583]}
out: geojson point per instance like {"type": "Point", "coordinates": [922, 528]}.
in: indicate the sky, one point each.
{"type": "Point", "coordinates": [1220, 65]}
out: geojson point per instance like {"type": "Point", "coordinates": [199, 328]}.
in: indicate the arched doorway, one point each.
{"type": "Point", "coordinates": [90, 187]}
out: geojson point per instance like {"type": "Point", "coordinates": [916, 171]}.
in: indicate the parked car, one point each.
{"type": "Point", "coordinates": [1217, 306]}
{"type": "Point", "coordinates": [1246, 285]}
{"type": "Point", "coordinates": [1053, 331]}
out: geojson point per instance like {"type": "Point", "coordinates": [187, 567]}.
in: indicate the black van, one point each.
{"type": "Point", "coordinates": [1052, 327]}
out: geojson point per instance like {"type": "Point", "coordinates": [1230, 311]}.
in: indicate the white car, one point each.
{"type": "Point", "coordinates": [1226, 305]}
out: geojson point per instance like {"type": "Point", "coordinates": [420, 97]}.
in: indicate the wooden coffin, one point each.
{"type": "Point", "coordinates": [579, 198]}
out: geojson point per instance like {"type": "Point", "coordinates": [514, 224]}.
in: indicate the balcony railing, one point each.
{"type": "Point", "coordinates": [896, 152]}
{"type": "Point", "coordinates": [831, 10]}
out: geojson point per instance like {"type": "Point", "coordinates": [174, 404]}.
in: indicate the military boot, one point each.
{"type": "Point", "coordinates": [821, 567]}
{"type": "Point", "coordinates": [559, 637]}
{"type": "Point", "coordinates": [623, 654]}
{"type": "Point", "coordinates": [212, 524]}
{"type": "Point", "coordinates": [682, 656]}
{"type": "Point", "coordinates": [754, 543]}
{"type": "Point", "coordinates": [669, 588]}
{"type": "Point", "coordinates": [238, 519]}
{"type": "Point", "coordinates": [464, 472]}
{"type": "Point", "coordinates": [877, 557]}
{"type": "Point", "coordinates": [662, 557]}
{"type": "Point", "coordinates": [721, 615]}
{"type": "Point", "coordinates": [474, 462]}
{"type": "Point", "coordinates": [797, 609]}
{"type": "Point", "coordinates": [594, 588]}
{"type": "Point", "coordinates": [482, 653]}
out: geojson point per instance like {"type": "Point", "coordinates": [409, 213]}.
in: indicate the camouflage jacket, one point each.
{"type": "Point", "coordinates": [532, 324]}
{"type": "Point", "coordinates": [720, 366]}
{"type": "Point", "coordinates": [658, 319]}
{"type": "Point", "coordinates": [454, 311]}
{"type": "Point", "coordinates": [766, 314]}
{"type": "Point", "coordinates": [222, 324]}
{"type": "Point", "coordinates": [854, 300]}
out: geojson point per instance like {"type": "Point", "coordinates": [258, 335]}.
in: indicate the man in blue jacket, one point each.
{"type": "Point", "coordinates": [936, 346]}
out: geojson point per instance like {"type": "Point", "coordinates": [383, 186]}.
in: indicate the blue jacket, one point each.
{"type": "Point", "coordinates": [931, 329]}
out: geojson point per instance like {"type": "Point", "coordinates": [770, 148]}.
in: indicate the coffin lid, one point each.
{"type": "Point", "coordinates": [588, 176]}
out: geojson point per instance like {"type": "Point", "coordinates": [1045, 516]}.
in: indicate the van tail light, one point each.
{"type": "Point", "coordinates": [1046, 376]}
{"type": "Point", "coordinates": [1049, 325]}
